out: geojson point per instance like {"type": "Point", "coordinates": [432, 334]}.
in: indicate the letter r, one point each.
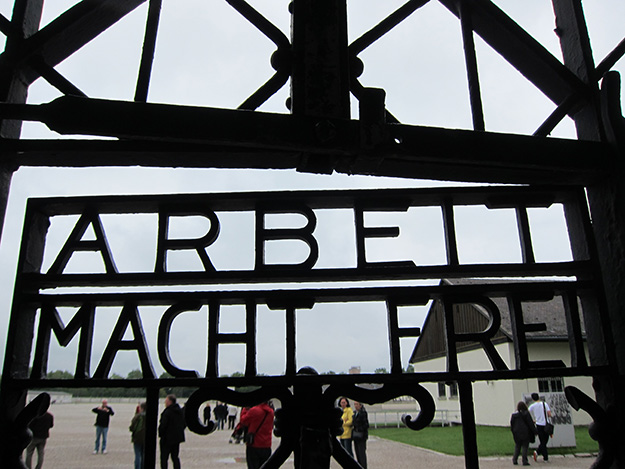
{"type": "Point", "coordinates": [198, 244]}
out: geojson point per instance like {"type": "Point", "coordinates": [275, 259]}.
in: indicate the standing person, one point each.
{"type": "Point", "coordinates": [240, 430]}
{"type": "Point", "coordinates": [523, 432]}
{"type": "Point", "coordinates": [171, 432]}
{"type": "Point", "coordinates": [40, 427]}
{"type": "Point", "coordinates": [137, 429]}
{"type": "Point", "coordinates": [104, 413]}
{"type": "Point", "coordinates": [540, 412]}
{"type": "Point", "coordinates": [207, 413]}
{"type": "Point", "coordinates": [259, 423]}
{"type": "Point", "coordinates": [220, 412]}
{"type": "Point", "coordinates": [360, 433]}
{"type": "Point", "coordinates": [232, 416]}
{"type": "Point", "coordinates": [348, 420]}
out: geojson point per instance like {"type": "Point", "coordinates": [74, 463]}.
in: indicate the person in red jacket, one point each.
{"type": "Point", "coordinates": [259, 423]}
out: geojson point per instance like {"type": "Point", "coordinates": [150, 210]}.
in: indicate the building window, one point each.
{"type": "Point", "coordinates": [442, 392]}
{"type": "Point", "coordinates": [550, 385]}
{"type": "Point", "coordinates": [453, 390]}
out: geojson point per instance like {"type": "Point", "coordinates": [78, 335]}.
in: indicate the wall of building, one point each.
{"type": "Point", "coordinates": [494, 401]}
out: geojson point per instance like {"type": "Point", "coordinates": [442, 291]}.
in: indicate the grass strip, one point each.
{"type": "Point", "coordinates": [491, 441]}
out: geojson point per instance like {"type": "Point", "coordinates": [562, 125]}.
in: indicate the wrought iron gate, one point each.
{"type": "Point", "coordinates": [318, 136]}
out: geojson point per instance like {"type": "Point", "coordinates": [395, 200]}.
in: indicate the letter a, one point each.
{"type": "Point", "coordinates": [76, 243]}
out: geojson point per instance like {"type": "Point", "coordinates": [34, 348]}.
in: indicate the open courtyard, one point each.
{"type": "Point", "coordinates": [71, 445]}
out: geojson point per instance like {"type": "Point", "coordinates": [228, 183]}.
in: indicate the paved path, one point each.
{"type": "Point", "coordinates": [71, 444]}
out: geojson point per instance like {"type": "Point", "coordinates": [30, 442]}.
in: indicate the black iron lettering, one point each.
{"type": "Point", "coordinates": [520, 328]}
{"type": "Point", "coordinates": [50, 320]}
{"type": "Point", "coordinates": [305, 234]}
{"type": "Point", "coordinates": [129, 316]}
{"type": "Point", "coordinates": [290, 306]}
{"type": "Point", "coordinates": [198, 244]}
{"type": "Point", "coordinates": [248, 338]}
{"type": "Point", "coordinates": [76, 243]}
{"type": "Point", "coordinates": [395, 332]}
{"type": "Point", "coordinates": [574, 327]}
{"type": "Point", "coordinates": [164, 329]}
{"type": "Point", "coordinates": [362, 233]}
{"type": "Point", "coordinates": [483, 337]}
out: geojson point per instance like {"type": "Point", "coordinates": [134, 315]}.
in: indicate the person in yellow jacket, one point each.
{"type": "Point", "coordinates": [348, 422]}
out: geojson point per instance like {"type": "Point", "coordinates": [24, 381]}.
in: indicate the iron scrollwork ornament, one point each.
{"type": "Point", "coordinates": [603, 429]}
{"type": "Point", "coordinates": [308, 420]}
{"type": "Point", "coordinates": [16, 436]}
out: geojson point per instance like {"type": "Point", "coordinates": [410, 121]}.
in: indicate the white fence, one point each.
{"type": "Point", "coordinates": [390, 418]}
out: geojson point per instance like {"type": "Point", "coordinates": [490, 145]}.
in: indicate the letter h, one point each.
{"type": "Point", "coordinates": [248, 338]}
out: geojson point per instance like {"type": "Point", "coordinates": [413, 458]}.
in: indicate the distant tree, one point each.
{"type": "Point", "coordinates": [135, 374]}
{"type": "Point", "coordinates": [238, 374]}
{"type": "Point", "coordinates": [410, 368]}
{"type": "Point", "coordinates": [179, 391]}
{"type": "Point", "coordinates": [380, 371]}
{"type": "Point", "coordinates": [59, 374]}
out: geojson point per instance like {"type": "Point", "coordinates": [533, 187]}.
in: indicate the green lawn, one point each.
{"type": "Point", "coordinates": [491, 441]}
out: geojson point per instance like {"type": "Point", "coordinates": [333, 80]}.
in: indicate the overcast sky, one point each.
{"type": "Point", "coordinates": [208, 55]}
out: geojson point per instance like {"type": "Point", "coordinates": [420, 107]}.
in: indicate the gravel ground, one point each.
{"type": "Point", "coordinates": [71, 445]}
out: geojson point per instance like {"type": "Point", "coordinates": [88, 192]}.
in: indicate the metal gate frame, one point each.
{"type": "Point", "coordinates": [319, 137]}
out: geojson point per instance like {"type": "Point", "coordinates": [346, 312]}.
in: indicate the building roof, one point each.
{"type": "Point", "coordinates": [475, 318]}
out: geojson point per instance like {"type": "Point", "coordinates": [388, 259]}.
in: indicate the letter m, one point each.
{"type": "Point", "coordinates": [50, 320]}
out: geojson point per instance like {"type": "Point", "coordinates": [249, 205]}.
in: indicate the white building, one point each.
{"type": "Point", "coordinates": [494, 401]}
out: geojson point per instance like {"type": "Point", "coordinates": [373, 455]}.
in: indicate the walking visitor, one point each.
{"type": "Point", "coordinates": [40, 427]}
{"type": "Point", "coordinates": [523, 432]}
{"type": "Point", "coordinates": [541, 413]}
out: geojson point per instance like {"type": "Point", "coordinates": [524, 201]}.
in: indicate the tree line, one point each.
{"type": "Point", "coordinates": [139, 393]}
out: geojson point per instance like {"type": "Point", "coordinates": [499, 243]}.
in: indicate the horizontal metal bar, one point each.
{"type": "Point", "coordinates": [180, 136]}
{"type": "Point", "coordinates": [388, 272]}
{"type": "Point", "coordinates": [369, 199]}
{"type": "Point", "coordinates": [320, 295]}
{"type": "Point", "coordinates": [416, 377]}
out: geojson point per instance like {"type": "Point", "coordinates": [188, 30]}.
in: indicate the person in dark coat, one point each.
{"type": "Point", "coordinates": [41, 432]}
{"type": "Point", "coordinates": [171, 432]}
{"type": "Point", "coordinates": [221, 414]}
{"type": "Point", "coordinates": [360, 433]}
{"type": "Point", "coordinates": [137, 429]}
{"type": "Point", "coordinates": [523, 431]}
{"type": "Point", "coordinates": [207, 413]}
{"type": "Point", "coordinates": [104, 413]}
